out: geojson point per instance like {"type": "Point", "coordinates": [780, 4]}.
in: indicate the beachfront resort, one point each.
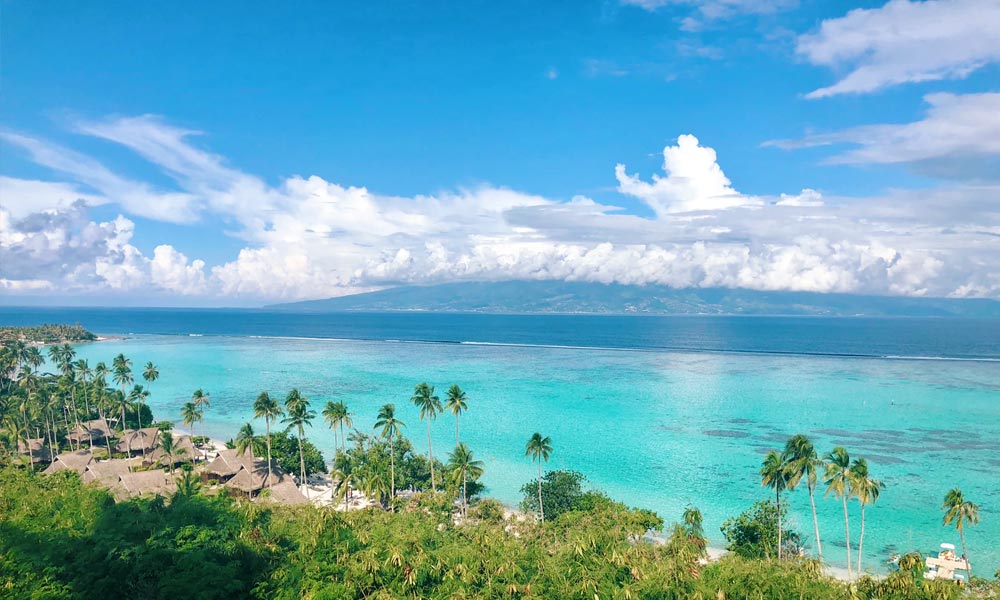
{"type": "Point", "coordinates": [85, 459]}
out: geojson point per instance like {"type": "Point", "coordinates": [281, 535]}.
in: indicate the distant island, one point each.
{"type": "Point", "coordinates": [46, 334]}
{"type": "Point", "coordinates": [598, 298]}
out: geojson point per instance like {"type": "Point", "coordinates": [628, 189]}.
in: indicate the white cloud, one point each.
{"type": "Point", "coordinates": [903, 42]}
{"type": "Point", "coordinates": [959, 137]}
{"type": "Point", "coordinates": [22, 197]}
{"type": "Point", "coordinates": [718, 9]}
{"type": "Point", "coordinates": [310, 238]}
{"type": "Point", "coordinates": [694, 182]}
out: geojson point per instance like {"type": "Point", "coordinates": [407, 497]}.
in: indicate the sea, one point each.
{"type": "Point", "coordinates": [658, 412]}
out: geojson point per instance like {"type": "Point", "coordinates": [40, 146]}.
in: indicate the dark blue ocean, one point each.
{"type": "Point", "coordinates": [836, 336]}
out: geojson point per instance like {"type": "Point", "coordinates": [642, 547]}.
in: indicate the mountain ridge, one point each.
{"type": "Point", "coordinates": [561, 297]}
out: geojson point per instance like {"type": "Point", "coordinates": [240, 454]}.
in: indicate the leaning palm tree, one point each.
{"type": "Point", "coordinates": [456, 402]}
{"type": "Point", "coordinates": [463, 467]}
{"type": "Point", "coordinates": [774, 474]}
{"type": "Point", "coordinates": [191, 414]}
{"type": "Point", "coordinates": [539, 449]}
{"type": "Point", "coordinates": [867, 491]}
{"type": "Point", "coordinates": [803, 462]}
{"type": "Point", "coordinates": [960, 511]}
{"type": "Point", "coordinates": [346, 478]}
{"type": "Point", "coordinates": [150, 373]}
{"type": "Point", "coordinates": [169, 448]}
{"type": "Point", "coordinates": [429, 405]}
{"type": "Point", "coordinates": [299, 415]}
{"type": "Point", "coordinates": [245, 439]}
{"type": "Point", "coordinates": [838, 482]}
{"type": "Point", "coordinates": [390, 430]}
{"type": "Point", "coordinates": [268, 408]}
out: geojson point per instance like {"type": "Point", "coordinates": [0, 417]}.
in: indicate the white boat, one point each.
{"type": "Point", "coordinates": [945, 565]}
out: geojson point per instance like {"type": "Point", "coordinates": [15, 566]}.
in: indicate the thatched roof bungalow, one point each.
{"type": "Point", "coordinates": [147, 483]}
{"type": "Point", "coordinates": [106, 473]}
{"type": "Point", "coordinates": [138, 440]}
{"type": "Point", "coordinates": [90, 432]}
{"type": "Point", "coordinates": [76, 461]}
{"type": "Point", "coordinates": [36, 448]}
{"type": "Point", "coordinates": [285, 492]}
{"type": "Point", "coordinates": [184, 451]}
{"type": "Point", "coordinates": [228, 463]}
{"type": "Point", "coordinates": [253, 477]}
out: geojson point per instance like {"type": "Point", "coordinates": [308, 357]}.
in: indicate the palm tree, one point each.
{"type": "Point", "coordinates": [867, 491]}
{"type": "Point", "coordinates": [429, 405]}
{"type": "Point", "coordinates": [802, 461]}
{"type": "Point", "coordinates": [299, 415]}
{"type": "Point", "coordinates": [960, 511]}
{"type": "Point", "coordinates": [168, 447]}
{"type": "Point", "coordinates": [335, 413]}
{"type": "Point", "coordinates": [346, 478]}
{"type": "Point", "coordinates": [150, 373]}
{"type": "Point", "coordinates": [838, 482]}
{"type": "Point", "coordinates": [83, 371]}
{"type": "Point", "coordinates": [463, 466]}
{"type": "Point", "coordinates": [138, 396]}
{"type": "Point", "coordinates": [774, 474]}
{"type": "Point", "coordinates": [390, 427]}
{"type": "Point", "coordinates": [191, 414]}
{"type": "Point", "coordinates": [456, 402]}
{"type": "Point", "coordinates": [539, 449]}
{"type": "Point", "coordinates": [122, 368]}
{"type": "Point", "coordinates": [202, 400]}
{"type": "Point", "coordinates": [268, 408]}
{"type": "Point", "coordinates": [245, 440]}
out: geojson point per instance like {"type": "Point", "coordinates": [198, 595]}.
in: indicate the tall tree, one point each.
{"type": "Point", "coordinates": [246, 440]}
{"type": "Point", "coordinates": [803, 463]}
{"type": "Point", "coordinates": [457, 403]}
{"type": "Point", "coordinates": [429, 405]}
{"type": "Point", "coordinates": [203, 400]}
{"type": "Point", "coordinates": [267, 408]}
{"type": "Point", "coordinates": [867, 491]}
{"type": "Point", "coordinates": [838, 482]}
{"type": "Point", "coordinates": [774, 474]}
{"type": "Point", "coordinates": [339, 419]}
{"type": "Point", "coordinates": [960, 511]}
{"type": "Point", "coordinates": [168, 447]}
{"type": "Point", "coordinates": [299, 415]}
{"type": "Point", "coordinates": [191, 414]}
{"type": "Point", "coordinates": [390, 428]}
{"type": "Point", "coordinates": [122, 375]}
{"type": "Point", "coordinates": [138, 397]}
{"type": "Point", "coordinates": [539, 449]}
{"type": "Point", "coordinates": [464, 466]}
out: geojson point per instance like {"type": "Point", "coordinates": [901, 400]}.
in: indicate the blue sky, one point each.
{"type": "Point", "coordinates": [493, 131]}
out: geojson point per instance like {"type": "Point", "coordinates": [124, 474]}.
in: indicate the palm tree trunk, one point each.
{"type": "Point", "coordinates": [777, 496]}
{"type": "Point", "coordinates": [392, 470]}
{"type": "Point", "coordinates": [965, 553]}
{"type": "Point", "coordinates": [847, 532]}
{"type": "Point", "coordinates": [138, 416]}
{"type": "Point", "coordinates": [861, 538]}
{"type": "Point", "coordinates": [456, 430]}
{"type": "Point", "coordinates": [541, 509]}
{"type": "Point", "coordinates": [819, 545]}
{"type": "Point", "coordinates": [430, 454]}
{"type": "Point", "coordinates": [465, 498]}
{"type": "Point", "coordinates": [270, 475]}
{"type": "Point", "coordinates": [302, 462]}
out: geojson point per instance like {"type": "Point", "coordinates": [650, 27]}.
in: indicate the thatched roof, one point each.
{"type": "Point", "coordinates": [285, 492]}
{"type": "Point", "coordinates": [229, 463]}
{"type": "Point", "coordinates": [146, 482]}
{"type": "Point", "coordinates": [39, 451]}
{"type": "Point", "coordinates": [95, 430]}
{"type": "Point", "coordinates": [77, 461]}
{"type": "Point", "coordinates": [106, 472]}
{"type": "Point", "coordinates": [138, 440]}
{"type": "Point", "coordinates": [253, 477]}
{"type": "Point", "coordinates": [184, 451]}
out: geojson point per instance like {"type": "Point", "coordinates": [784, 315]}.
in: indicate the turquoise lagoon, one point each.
{"type": "Point", "coordinates": [658, 429]}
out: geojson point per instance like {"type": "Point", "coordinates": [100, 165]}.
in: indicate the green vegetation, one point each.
{"type": "Point", "coordinates": [756, 532]}
{"type": "Point", "coordinates": [45, 334]}
{"type": "Point", "coordinates": [285, 451]}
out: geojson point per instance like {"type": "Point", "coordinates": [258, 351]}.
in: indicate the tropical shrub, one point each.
{"type": "Point", "coordinates": [754, 533]}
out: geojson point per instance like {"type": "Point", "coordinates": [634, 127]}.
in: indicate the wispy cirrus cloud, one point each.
{"type": "Point", "coordinates": [904, 41]}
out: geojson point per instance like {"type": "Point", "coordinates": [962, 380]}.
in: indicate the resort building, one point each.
{"type": "Point", "coordinates": [36, 449]}
{"type": "Point", "coordinates": [90, 432]}
{"type": "Point", "coordinates": [150, 483]}
{"type": "Point", "coordinates": [184, 451]}
{"type": "Point", "coordinates": [133, 441]}
{"type": "Point", "coordinates": [77, 461]}
{"type": "Point", "coordinates": [106, 473]}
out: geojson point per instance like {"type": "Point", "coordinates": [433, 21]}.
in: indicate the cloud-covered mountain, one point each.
{"type": "Point", "coordinates": [580, 297]}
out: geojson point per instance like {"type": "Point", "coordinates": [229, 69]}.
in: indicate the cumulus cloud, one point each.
{"type": "Point", "coordinates": [959, 137]}
{"type": "Point", "coordinates": [310, 238]}
{"type": "Point", "coordinates": [694, 182]}
{"type": "Point", "coordinates": [903, 42]}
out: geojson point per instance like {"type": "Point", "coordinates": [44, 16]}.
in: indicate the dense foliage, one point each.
{"type": "Point", "coordinates": [61, 539]}
{"type": "Point", "coordinates": [285, 452]}
{"type": "Point", "coordinates": [46, 334]}
{"type": "Point", "coordinates": [754, 533]}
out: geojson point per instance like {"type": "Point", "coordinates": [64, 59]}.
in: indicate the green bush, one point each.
{"type": "Point", "coordinates": [754, 533]}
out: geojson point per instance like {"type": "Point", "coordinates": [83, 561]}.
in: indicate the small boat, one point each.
{"type": "Point", "coordinates": [945, 565]}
